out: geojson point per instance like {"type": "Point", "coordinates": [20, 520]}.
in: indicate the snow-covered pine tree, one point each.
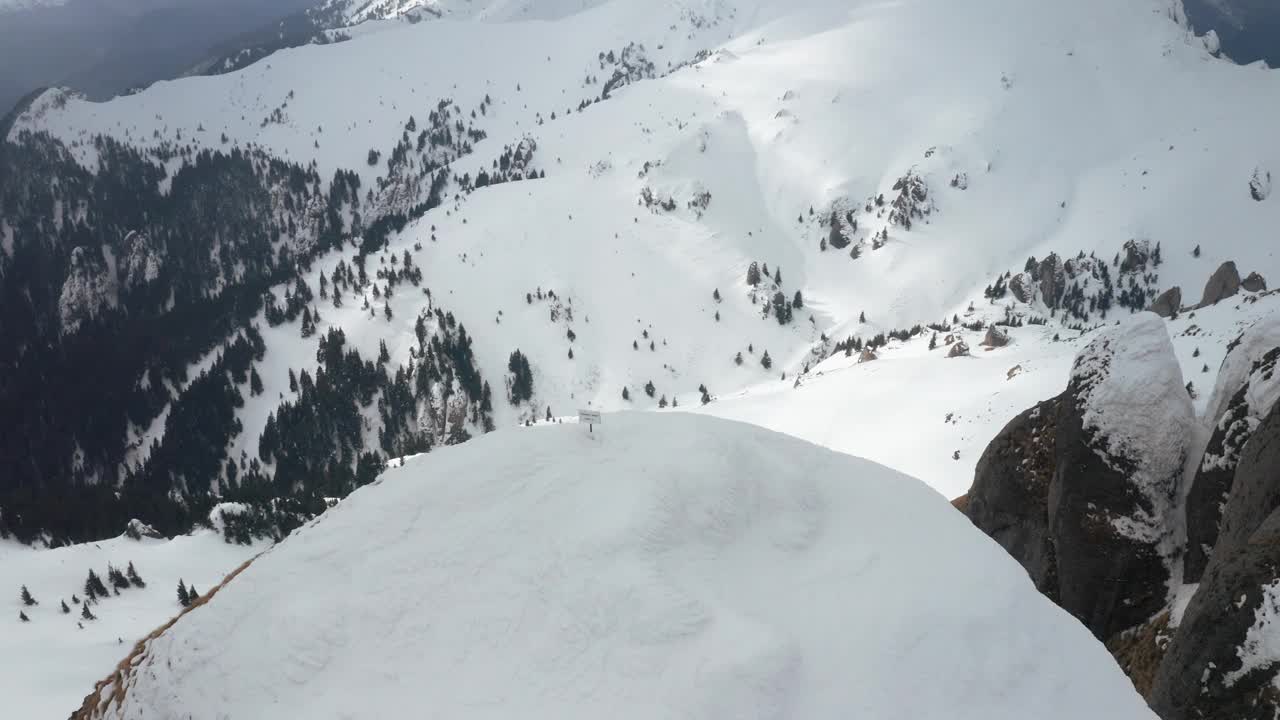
{"type": "Point", "coordinates": [26, 597]}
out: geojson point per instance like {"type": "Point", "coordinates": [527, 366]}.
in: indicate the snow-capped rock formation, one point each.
{"type": "Point", "coordinates": [664, 565]}
{"type": "Point", "coordinates": [1247, 388]}
{"type": "Point", "coordinates": [1084, 489]}
{"type": "Point", "coordinates": [90, 288]}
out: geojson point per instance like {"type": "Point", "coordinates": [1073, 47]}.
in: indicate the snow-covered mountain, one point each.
{"type": "Point", "coordinates": [887, 229]}
{"type": "Point", "coordinates": [661, 566]}
{"type": "Point", "coordinates": [1052, 139]}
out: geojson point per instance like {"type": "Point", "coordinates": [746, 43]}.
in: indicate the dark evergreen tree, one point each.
{"type": "Point", "coordinates": [23, 616]}
{"type": "Point", "coordinates": [25, 595]}
{"type": "Point", "coordinates": [255, 382]}
{"type": "Point", "coordinates": [86, 613]}
{"type": "Point", "coordinates": [184, 597]}
{"type": "Point", "coordinates": [765, 361]}
{"type": "Point", "coordinates": [134, 578]}
{"type": "Point", "coordinates": [798, 301]}
{"type": "Point", "coordinates": [753, 274]}
{"type": "Point", "coordinates": [626, 394]}
{"type": "Point", "coordinates": [293, 381]}
{"type": "Point", "coordinates": [715, 295]}
{"type": "Point", "coordinates": [520, 382]}
{"type": "Point", "coordinates": [65, 610]}
{"type": "Point", "coordinates": [649, 389]}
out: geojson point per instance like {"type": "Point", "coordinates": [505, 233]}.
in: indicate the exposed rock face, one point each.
{"type": "Point", "coordinates": [867, 355]}
{"type": "Point", "coordinates": [1248, 387]}
{"type": "Point", "coordinates": [1260, 184]}
{"type": "Point", "coordinates": [1053, 280]}
{"type": "Point", "coordinates": [1009, 500]}
{"type": "Point", "coordinates": [995, 337]}
{"type": "Point", "coordinates": [1254, 283]}
{"type": "Point", "coordinates": [1021, 285]}
{"type": "Point", "coordinates": [960, 349]}
{"type": "Point", "coordinates": [1123, 428]}
{"type": "Point", "coordinates": [1223, 283]}
{"type": "Point", "coordinates": [1137, 253]}
{"type": "Point", "coordinates": [89, 288]}
{"type": "Point", "coordinates": [142, 261]}
{"type": "Point", "coordinates": [1169, 302]}
{"type": "Point", "coordinates": [1224, 663]}
{"type": "Point", "coordinates": [1085, 499]}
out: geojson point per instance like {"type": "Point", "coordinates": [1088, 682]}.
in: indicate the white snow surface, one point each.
{"type": "Point", "coordinates": [668, 565]}
{"type": "Point", "coordinates": [1130, 388]}
{"type": "Point", "coordinates": [53, 663]}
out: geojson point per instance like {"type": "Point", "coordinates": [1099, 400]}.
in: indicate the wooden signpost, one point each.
{"type": "Point", "coordinates": [591, 418]}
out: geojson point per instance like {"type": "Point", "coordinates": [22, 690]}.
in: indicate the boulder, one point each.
{"type": "Point", "coordinates": [1137, 253]}
{"type": "Point", "coordinates": [1254, 283]}
{"type": "Point", "coordinates": [1223, 283]}
{"type": "Point", "coordinates": [995, 337]}
{"type": "Point", "coordinates": [1122, 428]}
{"type": "Point", "coordinates": [867, 355]}
{"type": "Point", "coordinates": [1260, 184]}
{"type": "Point", "coordinates": [1009, 500]}
{"type": "Point", "coordinates": [960, 349]}
{"type": "Point", "coordinates": [1223, 662]}
{"type": "Point", "coordinates": [1169, 302]}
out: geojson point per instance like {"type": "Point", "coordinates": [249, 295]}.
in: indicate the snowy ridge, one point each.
{"type": "Point", "coordinates": [723, 571]}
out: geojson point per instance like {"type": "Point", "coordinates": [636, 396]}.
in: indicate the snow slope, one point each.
{"type": "Point", "coordinates": [668, 565]}
{"type": "Point", "coordinates": [53, 663]}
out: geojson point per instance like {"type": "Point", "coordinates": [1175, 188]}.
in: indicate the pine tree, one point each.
{"type": "Point", "coordinates": [293, 381]}
{"type": "Point", "coordinates": [717, 316]}
{"type": "Point", "coordinates": [548, 413]}
{"type": "Point", "coordinates": [649, 389]}
{"type": "Point", "coordinates": [134, 578]}
{"type": "Point", "coordinates": [737, 359]}
{"type": "Point", "coordinates": [255, 382]}
{"type": "Point", "coordinates": [933, 342]}
{"type": "Point", "coordinates": [777, 276]}
{"type": "Point", "coordinates": [715, 295]}
{"type": "Point", "coordinates": [23, 616]}
{"type": "Point", "coordinates": [93, 587]}
{"type": "Point", "coordinates": [798, 301]}
{"type": "Point", "coordinates": [753, 274]}
{"type": "Point", "coordinates": [706, 396]}
{"type": "Point", "coordinates": [662, 402]}
{"type": "Point", "coordinates": [1196, 252]}
{"type": "Point", "coordinates": [192, 594]}
{"type": "Point", "coordinates": [635, 345]}
{"type": "Point", "coordinates": [766, 361]}
{"type": "Point", "coordinates": [184, 597]}
{"type": "Point", "coordinates": [65, 610]}
{"type": "Point", "coordinates": [26, 597]}
{"type": "Point", "coordinates": [626, 394]}
{"type": "Point", "coordinates": [86, 613]}
{"type": "Point", "coordinates": [862, 317]}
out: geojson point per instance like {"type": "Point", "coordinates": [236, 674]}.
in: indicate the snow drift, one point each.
{"type": "Point", "coordinates": [668, 565]}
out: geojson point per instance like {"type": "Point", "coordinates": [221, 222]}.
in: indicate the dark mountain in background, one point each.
{"type": "Point", "coordinates": [104, 47]}
{"type": "Point", "coordinates": [1249, 29]}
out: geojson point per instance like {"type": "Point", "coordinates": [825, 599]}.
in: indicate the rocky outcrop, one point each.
{"type": "Point", "coordinates": [1254, 283]}
{"type": "Point", "coordinates": [1022, 287]}
{"type": "Point", "coordinates": [1169, 303]}
{"type": "Point", "coordinates": [1260, 184]}
{"type": "Point", "coordinates": [1248, 386]}
{"type": "Point", "coordinates": [1223, 662]}
{"type": "Point", "coordinates": [89, 288]}
{"type": "Point", "coordinates": [960, 349]}
{"type": "Point", "coordinates": [995, 338]}
{"type": "Point", "coordinates": [1122, 433]}
{"type": "Point", "coordinates": [1009, 500]}
{"type": "Point", "coordinates": [1223, 283]}
{"type": "Point", "coordinates": [141, 262]}
{"type": "Point", "coordinates": [1095, 487]}
{"type": "Point", "coordinates": [1053, 280]}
